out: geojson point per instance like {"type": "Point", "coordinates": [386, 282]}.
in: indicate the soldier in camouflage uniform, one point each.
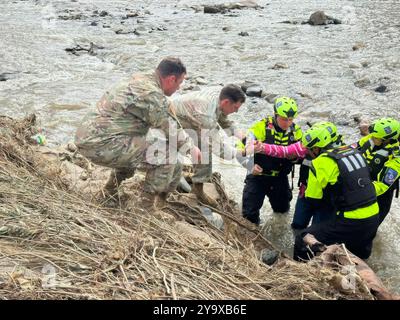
{"type": "Point", "coordinates": [115, 135]}
{"type": "Point", "coordinates": [206, 111]}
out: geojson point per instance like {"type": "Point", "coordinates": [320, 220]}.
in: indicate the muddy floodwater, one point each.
{"type": "Point", "coordinates": [58, 57]}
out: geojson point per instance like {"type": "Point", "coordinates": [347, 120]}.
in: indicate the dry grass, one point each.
{"type": "Point", "coordinates": [54, 244]}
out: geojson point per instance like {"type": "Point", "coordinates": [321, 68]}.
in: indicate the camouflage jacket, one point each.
{"type": "Point", "coordinates": [127, 110]}
{"type": "Point", "coordinates": [200, 110]}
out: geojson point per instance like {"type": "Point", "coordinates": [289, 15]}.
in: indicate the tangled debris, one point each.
{"type": "Point", "coordinates": [59, 240]}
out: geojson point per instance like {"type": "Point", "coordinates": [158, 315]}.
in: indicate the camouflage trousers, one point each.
{"type": "Point", "coordinates": [202, 172]}
{"type": "Point", "coordinates": [129, 153]}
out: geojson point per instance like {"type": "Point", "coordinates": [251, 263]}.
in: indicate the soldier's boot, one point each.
{"type": "Point", "coordinates": [147, 202]}
{"type": "Point", "coordinates": [204, 198]}
{"type": "Point", "coordinates": [115, 179]}
{"type": "Point", "coordinates": [161, 200]}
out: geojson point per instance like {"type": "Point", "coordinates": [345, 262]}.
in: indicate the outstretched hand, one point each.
{"type": "Point", "coordinates": [257, 170]}
{"type": "Point", "coordinates": [254, 147]}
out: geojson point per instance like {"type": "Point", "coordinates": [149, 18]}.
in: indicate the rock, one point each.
{"type": "Point", "coordinates": [71, 147]}
{"type": "Point", "coordinates": [94, 23]}
{"type": "Point", "coordinates": [103, 13]}
{"type": "Point", "coordinates": [243, 4]}
{"type": "Point", "coordinates": [201, 81]}
{"type": "Point", "coordinates": [214, 9]}
{"type": "Point", "coordinates": [280, 66]}
{"type": "Point", "coordinates": [308, 71]}
{"type": "Point", "coordinates": [359, 45]}
{"type": "Point", "coordinates": [304, 95]}
{"type": "Point", "coordinates": [290, 22]}
{"type": "Point", "coordinates": [269, 257]}
{"type": "Point", "coordinates": [124, 31]}
{"type": "Point", "coordinates": [213, 218]}
{"type": "Point", "coordinates": [223, 8]}
{"type": "Point", "coordinates": [7, 76]}
{"type": "Point", "coordinates": [191, 87]}
{"type": "Point", "coordinates": [271, 97]}
{"type": "Point", "coordinates": [78, 16]}
{"type": "Point", "coordinates": [194, 233]}
{"type": "Point", "coordinates": [382, 88]}
{"type": "Point", "coordinates": [78, 49]}
{"type": "Point", "coordinates": [197, 8]}
{"type": "Point", "coordinates": [246, 84]}
{"type": "Point", "coordinates": [132, 14]}
{"type": "Point", "coordinates": [184, 185]}
{"type": "Point", "coordinates": [319, 18]}
{"type": "Point", "coordinates": [210, 190]}
{"type": "Point", "coordinates": [254, 91]}
{"type": "Point", "coordinates": [354, 65]}
{"type": "Point", "coordinates": [362, 82]}
{"type": "Point", "coordinates": [243, 34]}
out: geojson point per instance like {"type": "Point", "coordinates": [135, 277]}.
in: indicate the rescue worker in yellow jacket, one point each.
{"type": "Point", "coordinates": [387, 180]}
{"type": "Point", "coordinates": [378, 147]}
{"type": "Point", "coordinates": [269, 176]}
{"type": "Point", "coordinates": [343, 173]}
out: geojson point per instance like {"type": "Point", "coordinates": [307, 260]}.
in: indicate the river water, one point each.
{"type": "Point", "coordinates": [42, 77]}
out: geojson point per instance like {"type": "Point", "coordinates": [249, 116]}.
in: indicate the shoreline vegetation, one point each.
{"type": "Point", "coordinates": [59, 239]}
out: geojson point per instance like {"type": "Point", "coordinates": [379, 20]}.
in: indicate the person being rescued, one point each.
{"type": "Point", "coordinates": [269, 176]}
{"type": "Point", "coordinates": [343, 173]}
{"type": "Point", "coordinates": [305, 211]}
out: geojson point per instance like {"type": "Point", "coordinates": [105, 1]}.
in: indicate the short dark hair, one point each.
{"type": "Point", "coordinates": [232, 92]}
{"type": "Point", "coordinates": [171, 66]}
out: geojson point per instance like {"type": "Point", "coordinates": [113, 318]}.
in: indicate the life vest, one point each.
{"type": "Point", "coordinates": [354, 188]}
{"type": "Point", "coordinates": [376, 156]}
{"type": "Point", "coordinates": [275, 166]}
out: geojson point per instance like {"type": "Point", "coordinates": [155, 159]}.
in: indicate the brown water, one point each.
{"type": "Point", "coordinates": [322, 68]}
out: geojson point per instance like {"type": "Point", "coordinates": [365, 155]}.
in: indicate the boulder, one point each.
{"type": "Point", "coordinates": [210, 190]}
{"type": "Point", "coordinates": [213, 218]}
{"type": "Point", "coordinates": [200, 81]}
{"type": "Point", "coordinates": [7, 76]}
{"type": "Point", "coordinates": [363, 82]}
{"type": "Point", "coordinates": [254, 91]}
{"type": "Point", "coordinates": [280, 66]}
{"type": "Point", "coordinates": [359, 45]}
{"type": "Point", "coordinates": [271, 97]}
{"type": "Point", "coordinates": [381, 89]}
{"type": "Point", "coordinates": [224, 8]}
{"type": "Point", "coordinates": [215, 9]}
{"type": "Point", "coordinates": [193, 232]}
{"type": "Point", "coordinates": [319, 18]}
{"type": "Point", "coordinates": [269, 257]}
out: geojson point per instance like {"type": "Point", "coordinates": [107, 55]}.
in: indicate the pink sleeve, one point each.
{"type": "Point", "coordinates": [291, 150]}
